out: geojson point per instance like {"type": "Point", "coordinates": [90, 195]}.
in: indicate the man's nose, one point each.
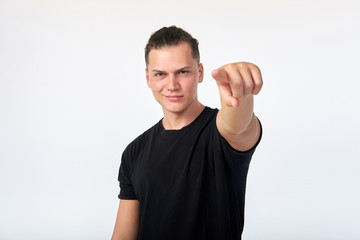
{"type": "Point", "coordinates": [173, 83]}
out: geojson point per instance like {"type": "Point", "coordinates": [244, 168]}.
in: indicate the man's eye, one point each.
{"type": "Point", "coordinates": [183, 72]}
{"type": "Point", "coordinates": [159, 74]}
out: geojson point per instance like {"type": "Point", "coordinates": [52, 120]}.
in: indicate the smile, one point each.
{"type": "Point", "coordinates": [174, 98]}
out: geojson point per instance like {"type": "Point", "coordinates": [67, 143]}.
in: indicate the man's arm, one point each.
{"type": "Point", "coordinates": [236, 122]}
{"type": "Point", "coordinates": [127, 220]}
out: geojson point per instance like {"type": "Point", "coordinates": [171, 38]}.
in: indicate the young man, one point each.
{"type": "Point", "coordinates": [185, 177]}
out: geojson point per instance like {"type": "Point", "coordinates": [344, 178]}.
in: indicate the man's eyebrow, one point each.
{"type": "Point", "coordinates": [155, 70]}
{"type": "Point", "coordinates": [183, 68]}
{"type": "Point", "coordinates": [187, 67]}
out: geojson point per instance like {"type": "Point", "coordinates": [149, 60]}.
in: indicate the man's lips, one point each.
{"type": "Point", "coordinates": [174, 97]}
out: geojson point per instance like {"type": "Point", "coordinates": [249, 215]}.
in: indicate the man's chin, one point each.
{"type": "Point", "coordinates": [174, 108]}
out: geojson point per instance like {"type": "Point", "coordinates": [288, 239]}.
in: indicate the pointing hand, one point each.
{"type": "Point", "coordinates": [236, 81]}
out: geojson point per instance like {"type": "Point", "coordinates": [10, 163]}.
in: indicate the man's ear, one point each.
{"type": "Point", "coordinates": [147, 77]}
{"type": "Point", "coordinates": [201, 72]}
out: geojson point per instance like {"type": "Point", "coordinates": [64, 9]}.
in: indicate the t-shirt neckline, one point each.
{"type": "Point", "coordinates": [163, 130]}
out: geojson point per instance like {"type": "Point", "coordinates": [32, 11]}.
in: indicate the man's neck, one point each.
{"type": "Point", "coordinates": [174, 121]}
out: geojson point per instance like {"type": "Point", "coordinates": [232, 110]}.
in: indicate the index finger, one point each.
{"type": "Point", "coordinates": [220, 75]}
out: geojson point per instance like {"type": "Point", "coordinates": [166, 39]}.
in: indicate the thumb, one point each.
{"type": "Point", "coordinates": [220, 75]}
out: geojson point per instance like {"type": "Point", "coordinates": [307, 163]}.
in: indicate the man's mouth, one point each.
{"type": "Point", "coordinates": [174, 97]}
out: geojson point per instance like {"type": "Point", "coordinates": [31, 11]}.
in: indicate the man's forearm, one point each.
{"type": "Point", "coordinates": [237, 119]}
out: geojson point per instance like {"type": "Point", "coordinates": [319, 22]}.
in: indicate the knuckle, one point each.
{"type": "Point", "coordinates": [255, 67]}
{"type": "Point", "coordinates": [249, 85]}
{"type": "Point", "coordinates": [242, 64]}
{"type": "Point", "coordinates": [237, 84]}
{"type": "Point", "coordinates": [260, 84]}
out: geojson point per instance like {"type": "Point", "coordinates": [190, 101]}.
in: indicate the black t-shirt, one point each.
{"type": "Point", "coordinates": [190, 183]}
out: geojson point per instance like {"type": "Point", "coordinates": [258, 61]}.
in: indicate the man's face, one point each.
{"type": "Point", "coordinates": [173, 75]}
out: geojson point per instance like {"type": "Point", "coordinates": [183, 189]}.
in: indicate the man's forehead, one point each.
{"type": "Point", "coordinates": [165, 47]}
{"type": "Point", "coordinates": [178, 56]}
{"type": "Point", "coordinates": [183, 47]}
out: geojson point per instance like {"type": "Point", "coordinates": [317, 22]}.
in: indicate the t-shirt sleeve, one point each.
{"type": "Point", "coordinates": [240, 157]}
{"type": "Point", "coordinates": [126, 186]}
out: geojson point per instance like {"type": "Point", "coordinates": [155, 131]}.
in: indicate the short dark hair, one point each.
{"type": "Point", "coordinates": [171, 36]}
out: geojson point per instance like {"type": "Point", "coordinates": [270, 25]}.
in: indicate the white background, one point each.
{"type": "Point", "coordinates": [73, 95]}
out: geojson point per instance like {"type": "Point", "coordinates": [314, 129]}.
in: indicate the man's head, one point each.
{"type": "Point", "coordinates": [171, 36]}
{"type": "Point", "coordinates": [173, 70]}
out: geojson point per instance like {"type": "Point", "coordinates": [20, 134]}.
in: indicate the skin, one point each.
{"type": "Point", "coordinates": [127, 220]}
{"type": "Point", "coordinates": [173, 76]}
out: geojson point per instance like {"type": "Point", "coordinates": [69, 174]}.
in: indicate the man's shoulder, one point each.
{"type": "Point", "coordinates": [142, 139]}
{"type": "Point", "coordinates": [209, 114]}
{"type": "Point", "coordinates": [212, 110]}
